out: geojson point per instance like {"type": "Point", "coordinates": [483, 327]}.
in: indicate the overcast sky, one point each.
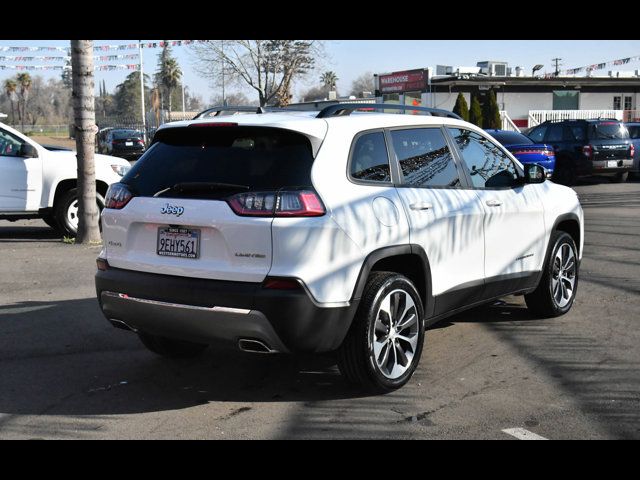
{"type": "Point", "coordinates": [350, 58]}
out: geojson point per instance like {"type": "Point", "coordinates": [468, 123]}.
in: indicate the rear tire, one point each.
{"type": "Point", "coordinates": [621, 177]}
{"type": "Point", "coordinates": [556, 291]}
{"type": "Point", "coordinates": [171, 348]}
{"type": "Point", "coordinates": [383, 346]}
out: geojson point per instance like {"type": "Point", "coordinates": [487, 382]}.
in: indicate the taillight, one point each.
{"type": "Point", "coordinates": [588, 151]}
{"type": "Point", "coordinates": [118, 196]}
{"type": "Point", "coordinates": [290, 203]}
{"type": "Point", "coordinates": [632, 150]}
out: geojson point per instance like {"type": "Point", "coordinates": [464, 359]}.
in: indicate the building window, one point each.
{"type": "Point", "coordinates": [628, 103]}
{"type": "Point", "coordinates": [565, 100]}
{"type": "Point", "coordinates": [617, 103]}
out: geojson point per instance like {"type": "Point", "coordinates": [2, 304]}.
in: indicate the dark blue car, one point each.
{"type": "Point", "coordinates": [525, 150]}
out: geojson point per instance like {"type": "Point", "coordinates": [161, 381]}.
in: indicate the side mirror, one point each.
{"type": "Point", "coordinates": [534, 173]}
{"type": "Point", "coordinates": [28, 151]}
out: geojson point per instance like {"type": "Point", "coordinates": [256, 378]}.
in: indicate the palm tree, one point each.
{"type": "Point", "coordinates": [171, 77]}
{"type": "Point", "coordinates": [329, 80]}
{"type": "Point", "coordinates": [10, 88]}
{"type": "Point", "coordinates": [24, 80]}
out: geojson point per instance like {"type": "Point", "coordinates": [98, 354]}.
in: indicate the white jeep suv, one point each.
{"type": "Point", "coordinates": [336, 231]}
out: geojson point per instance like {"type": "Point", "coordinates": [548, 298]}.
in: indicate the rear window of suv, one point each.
{"type": "Point", "coordinates": [608, 130]}
{"type": "Point", "coordinates": [262, 158]}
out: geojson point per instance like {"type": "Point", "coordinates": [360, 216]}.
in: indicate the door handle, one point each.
{"type": "Point", "coordinates": [493, 203]}
{"type": "Point", "coordinates": [420, 206]}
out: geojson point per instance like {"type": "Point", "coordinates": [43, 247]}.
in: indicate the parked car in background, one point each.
{"type": "Point", "coordinates": [634, 134]}
{"type": "Point", "coordinates": [40, 182]}
{"type": "Point", "coordinates": [525, 150]}
{"type": "Point", "coordinates": [122, 142]}
{"type": "Point", "coordinates": [587, 147]}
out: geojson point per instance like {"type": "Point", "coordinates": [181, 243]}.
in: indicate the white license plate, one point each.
{"type": "Point", "coordinates": [129, 144]}
{"type": "Point", "coordinates": [612, 163]}
{"type": "Point", "coordinates": [178, 242]}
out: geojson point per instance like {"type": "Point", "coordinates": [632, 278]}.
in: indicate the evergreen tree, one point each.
{"type": "Point", "coordinates": [475, 111]}
{"type": "Point", "coordinates": [461, 108]}
{"type": "Point", "coordinates": [491, 112]}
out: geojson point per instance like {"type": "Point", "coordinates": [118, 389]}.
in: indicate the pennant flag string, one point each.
{"type": "Point", "coordinates": [600, 66]}
{"type": "Point", "coordinates": [102, 48]}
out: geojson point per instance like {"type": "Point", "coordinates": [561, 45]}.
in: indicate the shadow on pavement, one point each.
{"type": "Point", "coordinates": [20, 233]}
{"type": "Point", "coordinates": [64, 358]}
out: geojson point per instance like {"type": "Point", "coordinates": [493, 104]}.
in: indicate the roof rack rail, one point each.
{"type": "Point", "coordinates": [341, 109]}
{"type": "Point", "coordinates": [219, 109]}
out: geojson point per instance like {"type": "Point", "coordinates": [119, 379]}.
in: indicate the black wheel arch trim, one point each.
{"type": "Point", "coordinates": [393, 251]}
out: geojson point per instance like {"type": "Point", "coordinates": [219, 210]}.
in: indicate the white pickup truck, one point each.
{"type": "Point", "coordinates": [40, 182]}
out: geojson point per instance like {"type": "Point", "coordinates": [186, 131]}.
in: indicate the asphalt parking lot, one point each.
{"type": "Point", "coordinates": [65, 373]}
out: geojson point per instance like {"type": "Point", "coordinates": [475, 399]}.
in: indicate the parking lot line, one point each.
{"type": "Point", "coordinates": [523, 434]}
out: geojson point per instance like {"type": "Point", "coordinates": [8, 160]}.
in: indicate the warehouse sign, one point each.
{"type": "Point", "coordinates": [407, 81]}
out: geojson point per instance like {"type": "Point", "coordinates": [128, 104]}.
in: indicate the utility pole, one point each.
{"type": "Point", "coordinates": [224, 100]}
{"type": "Point", "coordinates": [144, 119]}
{"type": "Point", "coordinates": [557, 62]}
{"type": "Point", "coordinates": [183, 101]}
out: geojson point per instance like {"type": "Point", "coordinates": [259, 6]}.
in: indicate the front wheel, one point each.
{"type": "Point", "coordinates": [556, 292]}
{"type": "Point", "coordinates": [384, 345]}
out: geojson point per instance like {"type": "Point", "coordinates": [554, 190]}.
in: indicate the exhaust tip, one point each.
{"type": "Point", "coordinates": [120, 324]}
{"type": "Point", "coordinates": [254, 346]}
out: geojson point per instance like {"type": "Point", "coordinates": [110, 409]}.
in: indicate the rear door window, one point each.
{"type": "Point", "coordinates": [554, 134]}
{"type": "Point", "coordinates": [260, 158]}
{"type": "Point", "coordinates": [424, 157]}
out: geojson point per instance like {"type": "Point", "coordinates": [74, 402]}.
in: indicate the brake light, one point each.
{"type": "Point", "coordinates": [588, 151]}
{"type": "Point", "coordinates": [632, 150]}
{"type": "Point", "coordinates": [214, 124]}
{"type": "Point", "coordinates": [118, 196]}
{"type": "Point", "coordinates": [302, 203]}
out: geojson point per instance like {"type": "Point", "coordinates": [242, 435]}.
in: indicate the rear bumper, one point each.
{"type": "Point", "coordinates": [128, 154]}
{"type": "Point", "coordinates": [202, 310]}
{"type": "Point", "coordinates": [602, 166]}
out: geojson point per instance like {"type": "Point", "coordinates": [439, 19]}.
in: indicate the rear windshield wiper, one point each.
{"type": "Point", "coordinates": [203, 187]}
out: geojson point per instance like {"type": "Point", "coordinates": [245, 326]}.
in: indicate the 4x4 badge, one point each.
{"type": "Point", "coordinates": [172, 210]}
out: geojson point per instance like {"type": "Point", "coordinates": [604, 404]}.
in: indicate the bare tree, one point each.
{"type": "Point", "coordinates": [233, 98]}
{"type": "Point", "coordinates": [267, 66]}
{"type": "Point", "coordinates": [85, 130]}
{"type": "Point", "coordinates": [363, 83]}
